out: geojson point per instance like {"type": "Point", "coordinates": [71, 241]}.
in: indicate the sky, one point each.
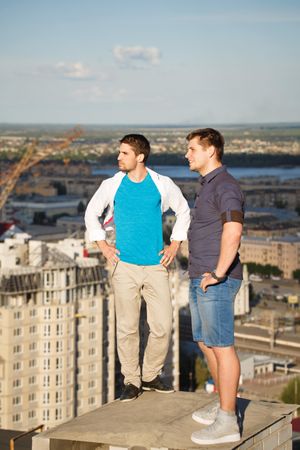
{"type": "Point", "coordinates": [152, 62]}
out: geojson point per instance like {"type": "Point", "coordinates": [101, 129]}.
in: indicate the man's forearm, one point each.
{"type": "Point", "coordinates": [230, 242]}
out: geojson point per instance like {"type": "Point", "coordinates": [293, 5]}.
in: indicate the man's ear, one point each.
{"type": "Point", "coordinates": [211, 151]}
{"type": "Point", "coordinates": [140, 158]}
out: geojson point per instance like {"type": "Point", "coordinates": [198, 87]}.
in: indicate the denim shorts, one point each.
{"type": "Point", "coordinates": [213, 312]}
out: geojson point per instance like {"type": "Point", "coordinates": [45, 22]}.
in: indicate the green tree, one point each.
{"type": "Point", "coordinates": [296, 275]}
{"type": "Point", "coordinates": [201, 372]}
{"type": "Point", "coordinates": [291, 393]}
{"type": "Point", "coordinates": [80, 207]}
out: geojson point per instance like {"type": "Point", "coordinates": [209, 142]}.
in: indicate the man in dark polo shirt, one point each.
{"type": "Point", "coordinates": [215, 278]}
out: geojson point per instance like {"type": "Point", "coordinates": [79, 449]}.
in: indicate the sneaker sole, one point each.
{"type": "Point", "coordinates": [130, 399]}
{"type": "Point", "coordinates": [202, 421]}
{"type": "Point", "coordinates": [220, 440]}
{"type": "Point", "coordinates": [157, 390]}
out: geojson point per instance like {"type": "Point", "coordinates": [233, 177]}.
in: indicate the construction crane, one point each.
{"type": "Point", "coordinates": [32, 156]}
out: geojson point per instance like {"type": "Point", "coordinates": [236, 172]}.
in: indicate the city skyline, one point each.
{"type": "Point", "coordinates": [136, 63]}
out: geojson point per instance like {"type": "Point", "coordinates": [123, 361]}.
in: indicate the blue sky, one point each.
{"type": "Point", "coordinates": [149, 62]}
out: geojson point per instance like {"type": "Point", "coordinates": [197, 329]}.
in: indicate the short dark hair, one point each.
{"type": "Point", "coordinates": [208, 137]}
{"type": "Point", "coordinates": [139, 144]}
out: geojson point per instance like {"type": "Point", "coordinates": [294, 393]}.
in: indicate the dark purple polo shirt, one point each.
{"type": "Point", "coordinates": [219, 200]}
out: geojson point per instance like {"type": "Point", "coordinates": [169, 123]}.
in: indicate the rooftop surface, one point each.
{"type": "Point", "coordinates": [158, 421]}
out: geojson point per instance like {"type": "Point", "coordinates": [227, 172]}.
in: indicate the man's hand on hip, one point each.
{"type": "Point", "coordinates": [109, 251]}
{"type": "Point", "coordinates": [207, 280]}
{"type": "Point", "coordinates": [169, 253]}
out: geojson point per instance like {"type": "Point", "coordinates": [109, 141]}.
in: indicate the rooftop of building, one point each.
{"type": "Point", "coordinates": [163, 421]}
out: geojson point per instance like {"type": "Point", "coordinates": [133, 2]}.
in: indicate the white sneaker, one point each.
{"type": "Point", "coordinates": [208, 414]}
{"type": "Point", "coordinates": [224, 429]}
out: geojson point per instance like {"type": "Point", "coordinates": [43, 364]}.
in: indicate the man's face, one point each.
{"type": "Point", "coordinates": [127, 159]}
{"type": "Point", "coordinates": [197, 155]}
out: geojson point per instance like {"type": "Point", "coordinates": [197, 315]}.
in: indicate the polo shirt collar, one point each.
{"type": "Point", "coordinates": [211, 175]}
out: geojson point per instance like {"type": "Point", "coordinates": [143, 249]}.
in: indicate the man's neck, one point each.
{"type": "Point", "coordinates": [138, 174]}
{"type": "Point", "coordinates": [210, 167]}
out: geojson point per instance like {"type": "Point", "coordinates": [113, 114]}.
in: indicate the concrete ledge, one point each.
{"type": "Point", "coordinates": [163, 421]}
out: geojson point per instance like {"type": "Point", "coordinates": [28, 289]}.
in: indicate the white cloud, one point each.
{"type": "Point", "coordinates": [68, 70]}
{"type": "Point", "coordinates": [75, 70]}
{"type": "Point", "coordinates": [136, 56]}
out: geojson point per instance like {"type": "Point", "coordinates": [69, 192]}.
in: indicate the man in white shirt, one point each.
{"type": "Point", "coordinates": [137, 197]}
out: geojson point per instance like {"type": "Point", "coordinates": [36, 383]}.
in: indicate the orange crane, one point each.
{"type": "Point", "coordinates": [32, 156]}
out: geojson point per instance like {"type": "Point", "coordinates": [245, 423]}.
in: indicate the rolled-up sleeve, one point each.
{"type": "Point", "coordinates": [94, 210]}
{"type": "Point", "coordinates": [180, 206]}
{"type": "Point", "coordinates": [231, 203]}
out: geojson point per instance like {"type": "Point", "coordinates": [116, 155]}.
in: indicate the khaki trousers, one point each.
{"type": "Point", "coordinates": [129, 282]}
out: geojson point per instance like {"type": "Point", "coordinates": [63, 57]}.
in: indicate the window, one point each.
{"type": "Point", "coordinates": [17, 383]}
{"type": "Point", "coordinates": [58, 414]}
{"type": "Point", "coordinates": [59, 329]}
{"type": "Point", "coordinates": [32, 329]}
{"type": "Point", "coordinates": [59, 346]}
{"type": "Point", "coordinates": [16, 400]}
{"type": "Point", "coordinates": [91, 400]}
{"type": "Point", "coordinates": [17, 366]}
{"type": "Point", "coordinates": [17, 349]}
{"type": "Point", "coordinates": [58, 397]}
{"type": "Point", "coordinates": [31, 414]}
{"type": "Point", "coordinates": [47, 330]}
{"type": "Point", "coordinates": [46, 365]}
{"type": "Point", "coordinates": [92, 367]}
{"type": "Point", "coordinates": [59, 363]}
{"type": "Point", "coordinates": [59, 313]}
{"type": "Point", "coordinates": [92, 351]}
{"type": "Point", "coordinates": [17, 315]}
{"type": "Point", "coordinates": [32, 346]}
{"type": "Point", "coordinates": [32, 363]}
{"type": "Point", "coordinates": [47, 314]}
{"type": "Point", "coordinates": [17, 331]}
{"type": "Point", "coordinates": [46, 381]}
{"type": "Point", "coordinates": [46, 415]}
{"type": "Point", "coordinates": [58, 379]}
{"type": "Point", "coordinates": [31, 397]}
{"type": "Point", "coordinates": [16, 417]}
{"type": "Point", "coordinates": [33, 313]}
{"type": "Point", "coordinates": [47, 347]}
{"type": "Point", "coordinates": [91, 384]}
{"type": "Point", "coordinates": [46, 398]}
{"type": "Point", "coordinates": [32, 380]}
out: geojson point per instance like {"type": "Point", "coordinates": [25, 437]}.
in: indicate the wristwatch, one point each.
{"type": "Point", "coordinates": [219, 279]}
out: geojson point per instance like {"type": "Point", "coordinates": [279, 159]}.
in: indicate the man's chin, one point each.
{"type": "Point", "coordinates": [192, 168]}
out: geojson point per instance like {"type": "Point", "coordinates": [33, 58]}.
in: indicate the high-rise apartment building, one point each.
{"type": "Point", "coordinates": [57, 349]}
{"type": "Point", "coordinates": [283, 252]}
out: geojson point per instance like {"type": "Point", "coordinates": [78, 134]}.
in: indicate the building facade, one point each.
{"type": "Point", "coordinates": [57, 350]}
{"type": "Point", "coordinates": [283, 252]}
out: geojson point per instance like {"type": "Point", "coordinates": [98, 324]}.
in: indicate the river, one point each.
{"type": "Point", "coordinates": [281, 173]}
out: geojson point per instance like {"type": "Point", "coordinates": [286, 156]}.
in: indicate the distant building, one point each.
{"type": "Point", "coordinates": [72, 224]}
{"type": "Point", "coordinates": [283, 252]}
{"type": "Point", "coordinates": [57, 334]}
{"type": "Point", "coordinates": [253, 365]}
{"type": "Point", "coordinates": [39, 209]}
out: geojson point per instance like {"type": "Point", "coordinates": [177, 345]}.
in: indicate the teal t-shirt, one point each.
{"type": "Point", "coordinates": [138, 221]}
